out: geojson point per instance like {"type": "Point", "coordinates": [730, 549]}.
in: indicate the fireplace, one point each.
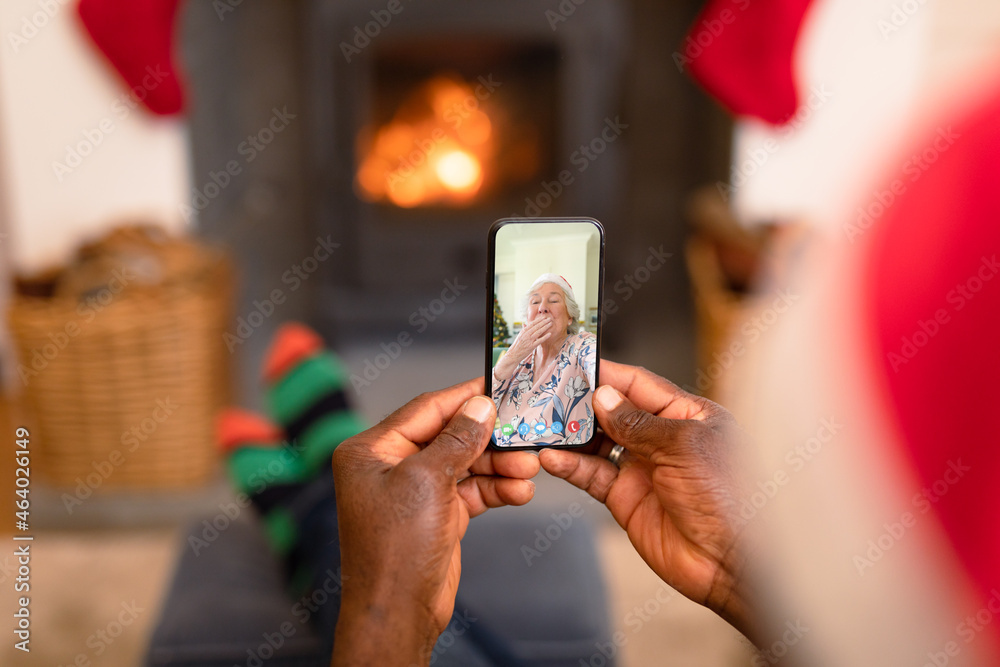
{"type": "Point", "coordinates": [447, 132]}
{"type": "Point", "coordinates": [431, 120]}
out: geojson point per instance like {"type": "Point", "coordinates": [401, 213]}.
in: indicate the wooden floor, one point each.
{"type": "Point", "coordinates": [94, 596]}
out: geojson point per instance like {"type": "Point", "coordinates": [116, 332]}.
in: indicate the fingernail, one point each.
{"type": "Point", "coordinates": [608, 397]}
{"type": "Point", "coordinates": [479, 408]}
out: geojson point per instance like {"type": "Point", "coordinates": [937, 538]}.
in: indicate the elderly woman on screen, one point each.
{"type": "Point", "coordinates": [543, 383]}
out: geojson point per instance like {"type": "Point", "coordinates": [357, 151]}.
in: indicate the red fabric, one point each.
{"type": "Point", "coordinates": [935, 311]}
{"type": "Point", "coordinates": [238, 428]}
{"type": "Point", "coordinates": [741, 52]}
{"type": "Point", "coordinates": [292, 343]}
{"type": "Point", "coordinates": [137, 36]}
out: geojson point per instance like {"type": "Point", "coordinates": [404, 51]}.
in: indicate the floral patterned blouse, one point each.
{"type": "Point", "coordinates": [559, 410]}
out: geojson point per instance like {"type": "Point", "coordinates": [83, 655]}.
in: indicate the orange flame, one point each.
{"type": "Point", "coordinates": [435, 150]}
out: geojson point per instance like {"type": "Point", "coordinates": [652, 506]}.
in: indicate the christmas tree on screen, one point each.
{"type": "Point", "coordinates": [500, 331]}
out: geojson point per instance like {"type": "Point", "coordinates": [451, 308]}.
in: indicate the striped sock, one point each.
{"type": "Point", "coordinates": [264, 469]}
{"type": "Point", "coordinates": [305, 394]}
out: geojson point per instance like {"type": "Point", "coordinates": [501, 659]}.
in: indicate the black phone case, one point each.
{"type": "Point", "coordinates": [490, 292]}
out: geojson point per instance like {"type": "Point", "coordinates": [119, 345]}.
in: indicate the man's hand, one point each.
{"type": "Point", "coordinates": [675, 493]}
{"type": "Point", "coordinates": [406, 489]}
{"type": "Point", "coordinates": [530, 337]}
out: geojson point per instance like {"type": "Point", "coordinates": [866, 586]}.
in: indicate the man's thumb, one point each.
{"type": "Point", "coordinates": [464, 438]}
{"type": "Point", "coordinates": [633, 428]}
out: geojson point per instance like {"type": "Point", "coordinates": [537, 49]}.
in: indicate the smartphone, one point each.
{"type": "Point", "coordinates": [545, 284]}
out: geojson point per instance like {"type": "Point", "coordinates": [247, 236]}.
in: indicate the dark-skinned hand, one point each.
{"type": "Point", "coordinates": [406, 489]}
{"type": "Point", "coordinates": [675, 493]}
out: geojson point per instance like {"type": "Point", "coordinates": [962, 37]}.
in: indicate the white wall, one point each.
{"type": "Point", "coordinates": [526, 252]}
{"type": "Point", "coordinates": [58, 95]}
{"type": "Point", "coordinates": [593, 278]}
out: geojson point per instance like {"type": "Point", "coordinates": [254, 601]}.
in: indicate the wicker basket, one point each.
{"type": "Point", "coordinates": [122, 386]}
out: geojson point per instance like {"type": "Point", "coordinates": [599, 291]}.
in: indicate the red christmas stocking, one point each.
{"type": "Point", "coordinates": [741, 51]}
{"type": "Point", "coordinates": [137, 37]}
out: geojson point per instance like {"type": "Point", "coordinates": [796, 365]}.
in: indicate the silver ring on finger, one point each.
{"type": "Point", "coordinates": [615, 456]}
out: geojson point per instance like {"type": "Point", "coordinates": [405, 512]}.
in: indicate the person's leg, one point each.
{"type": "Point", "coordinates": [284, 467]}
{"type": "Point", "coordinates": [274, 463]}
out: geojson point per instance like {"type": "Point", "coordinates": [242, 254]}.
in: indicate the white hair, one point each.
{"type": "Point", "coordinates": [572, 309]}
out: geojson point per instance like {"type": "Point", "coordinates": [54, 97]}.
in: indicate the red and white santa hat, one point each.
{"type": "Point", "coordinates": [553, 278]}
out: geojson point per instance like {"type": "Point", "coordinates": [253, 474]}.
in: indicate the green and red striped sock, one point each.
{"type": "Point", "coordinates": [305, 395]}
{"type": "Point", "coordinates": [264, 469]}
{"type": "Point", "coordinates": [276, 464]}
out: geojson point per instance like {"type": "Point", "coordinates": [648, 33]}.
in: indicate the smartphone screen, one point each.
{"type": "Point", "coordinates": [545, 283]}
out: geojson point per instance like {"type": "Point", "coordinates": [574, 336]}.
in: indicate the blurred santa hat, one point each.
{"type": "Point", "coordinates": [875, 411]}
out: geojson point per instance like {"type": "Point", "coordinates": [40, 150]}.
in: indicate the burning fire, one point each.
{"type": "Point", "coordinates": [435, 150]}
